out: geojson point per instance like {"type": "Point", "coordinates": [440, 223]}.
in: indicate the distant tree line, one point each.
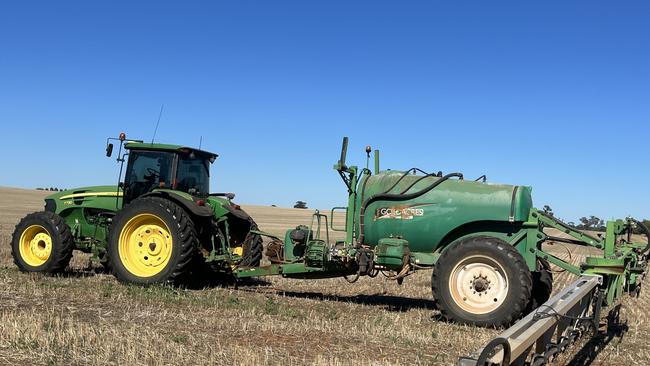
{"type": "Point", "coordinates": [53, 189]}
{"type": "Point", "coordinates": [591, 222]}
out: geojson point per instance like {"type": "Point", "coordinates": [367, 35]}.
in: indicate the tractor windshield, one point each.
{"type": "Point", "coordinates": [193, 174]}
{"type": "Point", "coordinates": [147, 171]}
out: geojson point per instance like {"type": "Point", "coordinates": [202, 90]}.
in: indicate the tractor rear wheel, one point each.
{"type": "Point", "coordinates": [42, 242]}
{"type": "Point", "coordinates": [152, 240]}
{"type": "Point", "coordinates": [482, 281]}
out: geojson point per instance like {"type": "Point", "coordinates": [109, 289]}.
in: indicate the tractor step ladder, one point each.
{"type": "Point", "coordinates": [547, 330]}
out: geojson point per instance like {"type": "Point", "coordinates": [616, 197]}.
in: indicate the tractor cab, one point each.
{"type": "Point", "coordinates": [160, 166]}
{"type": "Point", "coordinates": [153, 166]}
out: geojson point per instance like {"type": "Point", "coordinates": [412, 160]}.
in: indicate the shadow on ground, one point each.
{"type": "Point", "coordinates": [198, 282]}
{"type": "Point", "coordinates": [615, 331]}
{"type": "Point", "coordinates": [194, 281]}
{"type": "Point", "coordinates": [391, 303]}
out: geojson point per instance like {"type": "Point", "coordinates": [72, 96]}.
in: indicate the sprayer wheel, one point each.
{"type": "Point", "coordinates": [252, 249]}
{"type": "Point", "coordinates": [482, 281]}
{"type": "Point", "coordinates": [542, 285]}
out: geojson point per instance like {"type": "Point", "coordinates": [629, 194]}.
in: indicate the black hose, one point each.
{"type": "Point", "coordinates": [439, 174]}
{"type": "Point", "coordinates": [414, 170]}
{"type": "Point", "coordinates": [365, 182]}
{"type": "Point", "coordinates": [416, 182]}
{"type": "Point", "coordinates": [490, 349]}
{"type": "Point", "coordinates": [398, 197]}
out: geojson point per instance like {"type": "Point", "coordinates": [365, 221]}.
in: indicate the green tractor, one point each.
{"type": "Point", "coordinates": [160, 224]}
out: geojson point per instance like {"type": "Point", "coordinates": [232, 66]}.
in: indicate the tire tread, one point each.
{"type": "Point", "coordinates": [187, 243]}
{"type": "Point", "coordinates": [523, 278]}
{"type": "Point", "coordinates": [62, 245]}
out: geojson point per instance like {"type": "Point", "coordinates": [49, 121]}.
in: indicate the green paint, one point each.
{"type": "Point", "coordinates": [390, 252]}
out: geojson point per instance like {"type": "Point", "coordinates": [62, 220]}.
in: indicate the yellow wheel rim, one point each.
{"type": "Point", "coordinates": [145, 245]}
{"type": "Point", "coordinates": [35, 245]}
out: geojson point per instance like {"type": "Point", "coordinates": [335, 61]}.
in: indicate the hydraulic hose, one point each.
{"type": "Point", "coordinates": [416, 182]}
{"type": "Point", "coordinates": [403, 196]}
{"type": "Point", "coordinates": [490, 349]}
{"type": "Point", "coordinates": [414, 170]}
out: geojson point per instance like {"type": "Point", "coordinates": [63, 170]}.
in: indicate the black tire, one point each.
{"type": "Point", "coordinates": [252, 249]}
{"type": "Point", "coordinates": [542, 285]}
{"type": "Point", "coordinates": [511, 296]}
{"type": "Point", "coordinates": [60, 236]}
{"type": "Point", "coordinates": [183, 241]}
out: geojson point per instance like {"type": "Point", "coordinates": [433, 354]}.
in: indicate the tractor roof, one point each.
{"type": "Point", "coordinates": [132, 145]}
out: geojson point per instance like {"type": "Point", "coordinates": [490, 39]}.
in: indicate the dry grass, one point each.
{"type": "Point", "coordinates": [90, 319]}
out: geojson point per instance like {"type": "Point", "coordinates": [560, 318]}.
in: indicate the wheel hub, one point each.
{"type": "Point", "coordinates": [41, 246]}
{"type": "Point", "coordinates": [35, 245]}
{"type": "Point", "coordinates": [152, 253]}
{"type": "Point", "coordinates": [145, 245]}
{"type": "Point", "coordinates": [478, 284]}
{"type": "Point", "coordinates": [481, 284]}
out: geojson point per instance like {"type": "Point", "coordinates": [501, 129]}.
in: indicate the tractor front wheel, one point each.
{"type": "Point", "coordinates": [151, 240]}
{"type": "Point", "coordinates": [481, 281]}
{"type": "Point", "coordinates": [42, 242]}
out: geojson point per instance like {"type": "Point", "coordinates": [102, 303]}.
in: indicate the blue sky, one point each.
{"type": "Point", "coordinates": [549, 94]}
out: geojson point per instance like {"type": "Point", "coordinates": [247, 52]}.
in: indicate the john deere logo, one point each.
{"type": "Point", "coordinates": [398, 213]}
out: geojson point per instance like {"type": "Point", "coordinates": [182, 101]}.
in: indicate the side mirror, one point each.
{"type": "Point", "coordinates": [109, 150]}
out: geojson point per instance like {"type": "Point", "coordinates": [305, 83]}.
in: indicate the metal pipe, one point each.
{"type": "Point", "coordinates": [376, 161]}
{"type": "Point", "coordinates": [344, 152]}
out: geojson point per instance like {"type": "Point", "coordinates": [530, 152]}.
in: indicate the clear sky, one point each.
{"type": "Point", "coordinates": [550, 94]}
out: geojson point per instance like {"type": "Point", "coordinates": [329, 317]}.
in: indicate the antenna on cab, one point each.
{"type": "Point", "coordinates": [162, 106]}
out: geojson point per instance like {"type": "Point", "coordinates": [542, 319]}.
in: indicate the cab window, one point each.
{"type": "Point", "coordinates": [193, 174]}
{"type": "Point", "coordinates": [146, 171]}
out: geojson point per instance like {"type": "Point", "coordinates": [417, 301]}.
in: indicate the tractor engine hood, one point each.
{"type": "Point", "coordinates": [107, 198]}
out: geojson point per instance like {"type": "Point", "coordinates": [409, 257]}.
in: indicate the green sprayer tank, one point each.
{"type": "Point", "coordinates": [428, 211]}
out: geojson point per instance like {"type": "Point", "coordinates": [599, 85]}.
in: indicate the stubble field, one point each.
{"type": "Point", "coordinates": [88, 318]}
